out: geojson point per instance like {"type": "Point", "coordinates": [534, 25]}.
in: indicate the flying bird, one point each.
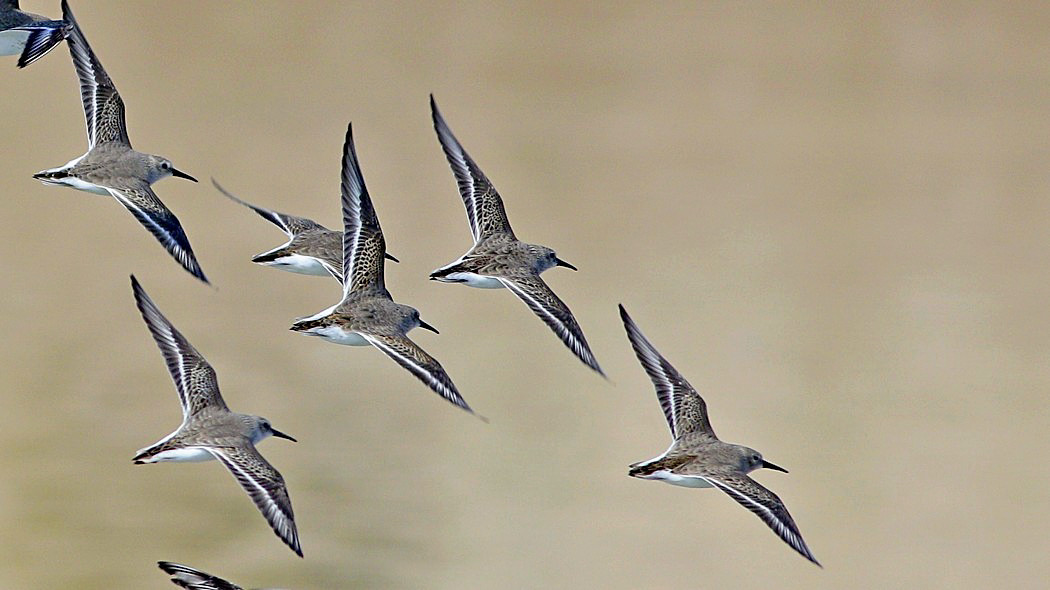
{"type": "Point", "coordinates": [696, 458]}
{"type": "Point", "coordinates": [110, 166]}
{"type": "Point", "coordinates": [210, 430]}
{"type": "Point", "coordinates": [498, 259]}
{"type": "Point", "coordinates": [311, 249]}
{"type": "Point", "coordinates": [367, 315]}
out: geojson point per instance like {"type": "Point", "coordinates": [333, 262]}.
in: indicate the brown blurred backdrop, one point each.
{"type": "Point", "coordinates": [832, 220]}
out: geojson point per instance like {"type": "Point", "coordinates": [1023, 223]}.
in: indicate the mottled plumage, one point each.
{"type": "Point", "coordinates": [367, 315]}
{"type": "Point", "coordinates": [696, 457]}
{"type": "Point", "coordinates": [110, 166]}
{"type": "Point", "coordinates": [209, 430]}
{"type": "Point", "coordinates": [497, 258]}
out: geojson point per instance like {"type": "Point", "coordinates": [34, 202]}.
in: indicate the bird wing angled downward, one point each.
{"type": "Point", "coordinates": [266, 488]}
{"type": "Point", "coordinates": [531, 289]}
{"type": "Point", "coordinates": [766, 505]}
{"type": "Point", "coordinates": [143, 203]}
{"type": "Point", "coordinates": [409, 355]}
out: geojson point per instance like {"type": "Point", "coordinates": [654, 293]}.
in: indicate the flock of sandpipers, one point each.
{"type": "Point", "coordinates": [365, 315]}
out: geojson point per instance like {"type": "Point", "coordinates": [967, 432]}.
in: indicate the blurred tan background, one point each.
{"type": "Point", "coordinates": [833, 221]}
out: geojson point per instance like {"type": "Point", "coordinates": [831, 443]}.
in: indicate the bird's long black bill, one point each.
{"type": "Point", "coordinates": [769, 465]}
{"type": "Point", "coordinates": [560, 262]}
{"type": "Point", "coordinates": [391, 258]}
{"type": "Point", "coordinates": [427, 326]}
{"type": "Point", "coordinates": [182, 174]}
{"type": "Point", "coordinates": [280, 434]}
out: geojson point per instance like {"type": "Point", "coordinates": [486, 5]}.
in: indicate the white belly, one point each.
{"type": "Point", "coordinates": [70, 181]}
{"type": "Point", "coordinates": [299, 264]}
{"type": "Point", "coordinates": [82, 185]}
{"type": "Point", "coordinates": [473, 280]}
{"type": "Point", "coordinates": [686, 481]}
{"type": "Point", "coordinates": [189, 454]}
{"type": "Point", "coordinates": [340, 335]}
{"type": "Point", "coordinates": [12, 42]}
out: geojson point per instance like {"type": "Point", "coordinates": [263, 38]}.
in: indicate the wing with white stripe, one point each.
{"type": "Point", "coordinates": [425, 367]}
{"type": "Point", "coordinates": [266, 488]}
{"type": "Point", "coordinates": [103, 108]}
{"type": "Point", "coordinates": [485, 210]}
{"type": "Point", "coordinates": [143, 203]}
{"type": "Point", "coordinates": [43, 37]}
{"type": "Point", "coordinates": [766, 505]}
{"type": "Point", "coordinates": [194, 579]}
{"type": "Point", "coordinates": [544, 303]}
{"type": "Point", "coordinates": [683, 407]}
{"type": "Point", "coordinates": [363, 244]}
{"type": "Point", "coordinates": [194, 378]}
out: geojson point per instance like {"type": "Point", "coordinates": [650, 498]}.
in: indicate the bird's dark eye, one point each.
{"type": "Point", "coordinates": [165, 165]}
{"type": "Point", "coordinates": [756, 458]}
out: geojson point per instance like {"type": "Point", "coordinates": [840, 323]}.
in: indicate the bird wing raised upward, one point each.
{"type": "Point", "coordinates": [485, 210]}
{"type": "Point", "coordinates": [363, 244]}
{"type": "Point", "coordinates": [289, 224]}
{"type": "Point", "coordinates": [103, 108]}
{"type": "Point", "coordinates": [683, 407]}
{"type": "Point", "coordinates": [194, 378]}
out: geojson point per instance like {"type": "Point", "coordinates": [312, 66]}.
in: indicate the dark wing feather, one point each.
{"type": "Point", "coordinates": [103, 108]}
{"type": "Point", "coordinates": [485, 210]}
{"type": "Point", "coordinates": [531, 289]}
{"type": "Point", "coordinates": [363, 244]}
{"type": "Point", "coordinates": [266, 488]}
{"type": "Point", "coordinates": [193, 579]}
{"type": "Point", "coordinates": [683, 407]}
{"type": "Point", "coordinates": [143, 203]}
{"type": "Point", "coordinates": [289, 224]}
{"type": "Point", "coordinates": [766, 505]}
{"type": "Point", "coordinates": [43, 37]}
{"type": "Point", "coordinates": [194, 378]}
{"type": "Point", "coordinates": [410, 356]}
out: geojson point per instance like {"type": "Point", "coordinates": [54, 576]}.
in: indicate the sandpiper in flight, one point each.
{"type": "Point", "coordinates": [366, 315]}
{"type": "Point", "coordinates": [28, 34]}
{"type": "Point", "coordinates": [311, 249]}
{"type": "Point", "coordinates": [209, 430]}
{"type": "Point", "coordinates": [696, 458]}
{"type": "Point", "coordinates": [194, 579]}
{"type": "Point", "coordinates": [111, 166]}
{"type": "Point", "coordinates": [497, 258]}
